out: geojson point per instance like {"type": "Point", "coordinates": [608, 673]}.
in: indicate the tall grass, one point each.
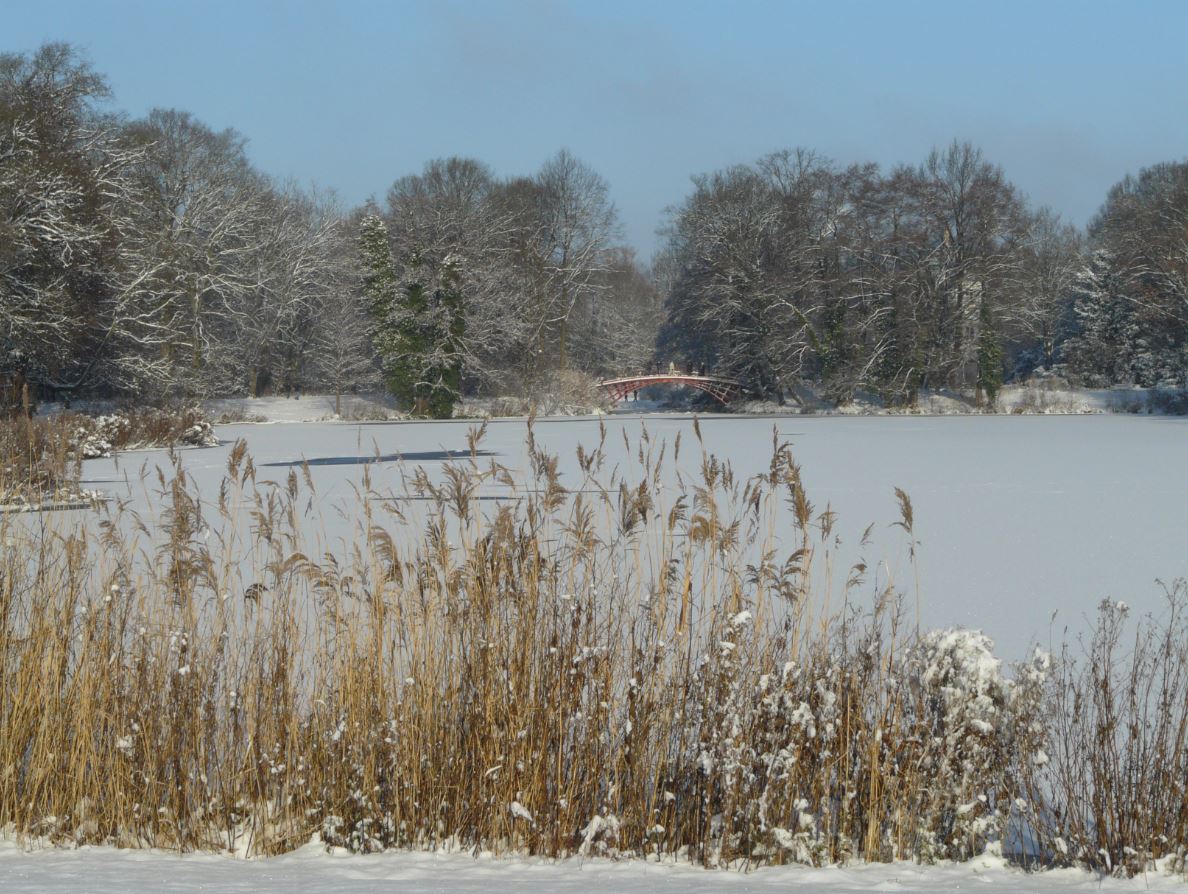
{"type": "Point", "coordinates": [36, 460]}
{"type": "Point", "coordinates": [504, 661]}
{"type": "Point", "coordinates": [40, 456]}
{"type": "Point", "coordinates": [1111, 789]}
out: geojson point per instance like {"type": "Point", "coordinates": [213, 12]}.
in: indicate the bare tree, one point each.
{"type": "Point", "coordinates": [1051, 259]}
{"type": "Point", "coordinates": [342, 356]}
{"type": "Point", "coordinates": [752, 245]}
{"type": "Point", "coordinates": [1131, 306]}
{"type": "Point", "coordinates": [577, 224]}
{"type": "Point", "coordinates": [975, 223]}
{"type": "Point", "coordinates": [56, 180]}
{"type": "Point", "coordinates": [794, 271]}
{"type": "Point", "coordinates": [200, 217]}
{"type": "Point", "coordinates": [623, 325]}
{"type": "Point", "coordinates": [295, 258]}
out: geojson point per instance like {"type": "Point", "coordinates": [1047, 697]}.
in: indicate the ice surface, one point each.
{"type": "Point", "coordinates": [1024, 523]}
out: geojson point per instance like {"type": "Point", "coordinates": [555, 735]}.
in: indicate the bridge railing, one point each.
{"type": "Point", "coordinates": [718, 387]}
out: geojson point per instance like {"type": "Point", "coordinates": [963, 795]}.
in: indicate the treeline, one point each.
{"type": "Point", "coordinates": [1131, 293]}
{"type": "Point", "coordinates": [794, 272]}
{"type": "Point", "coordinates": [148, 257]}
{"type": "Point", "coordinates": [480, 284]}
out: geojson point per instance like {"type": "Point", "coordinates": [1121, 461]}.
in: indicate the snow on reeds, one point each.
{"type": "Point", "coordinates": [40, 456]}
{"type": "Point", "coordinates": [1110, 786]}
{"type": "Point", "coordinates": [596, 666]}
{"type": "Point", "coordinates": [36, 462]}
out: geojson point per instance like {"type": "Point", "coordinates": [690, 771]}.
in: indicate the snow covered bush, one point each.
{"type": "Point", "coordinates": [565, 393]}
{"type": "Point", "coordinates": [966, 736]}
{"type": "Point", "coordinates": [100, 436]}
{"type": "Point", "coordinates": [200, 434]}
{"type": "Point", "coordinates": [41, 456]}
{"type": "Point", "coordinates": [96, 437]}
{"type": "Point", "coordinates": [861, 747]}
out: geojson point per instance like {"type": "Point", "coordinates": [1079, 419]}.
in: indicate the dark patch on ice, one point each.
{"type": "Point", "coordinates": [422, 456]}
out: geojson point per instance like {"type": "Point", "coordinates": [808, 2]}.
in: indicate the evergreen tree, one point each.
{"type": "Point", "coordinates": [417, 324]}
{"type": "Point", "coordinates": [833, 353]}
{"type": "Point", "coordinates": [395, 315]}
{"type": "Point", "coordinates": [1107, 336]}
{"type": "Point", "coordinates": [379, 276]}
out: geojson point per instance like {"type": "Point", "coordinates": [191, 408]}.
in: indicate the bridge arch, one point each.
{"type": "Point", "coordinates": [721, 389]}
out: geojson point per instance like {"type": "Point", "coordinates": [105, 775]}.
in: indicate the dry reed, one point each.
{"type": "Point", "coordinates": [598, 666]}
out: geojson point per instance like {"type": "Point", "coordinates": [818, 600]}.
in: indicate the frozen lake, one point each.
{"type": "Point", "coordinates": [1024, 523]}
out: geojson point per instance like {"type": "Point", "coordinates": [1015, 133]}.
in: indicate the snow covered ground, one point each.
{"type": "Point", "coordinates": [1042, 398]}
{"type": "Point", "coordinates": [307, 408]}
{"type": "Point", "coordinates": [101, 870]}
{"type": "Point", "coordinates": [1025, 523]}
{"type": "Point", "coordinates": [1039, 398]}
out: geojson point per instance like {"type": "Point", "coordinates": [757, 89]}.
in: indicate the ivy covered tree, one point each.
{"type": "Point", "coordinates": [448, 328]}
{"type": "Point", "coordinates": [408, 342]}
{"type": "Point", "coordinates": [990, 355]}
{"type": "Point", "coordinates": [418, 323]}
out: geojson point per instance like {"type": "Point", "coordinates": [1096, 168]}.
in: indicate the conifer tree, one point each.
{"type": "Point", "coordinates": [1102, 350]}
{"type": "Point", "coordinates": [395, 315]}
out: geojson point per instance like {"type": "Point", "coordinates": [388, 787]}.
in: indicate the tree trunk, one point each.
{"type": "Point", "coordinates": [561, 343]}
{"type": "Point", "coordinates": [564, 331]}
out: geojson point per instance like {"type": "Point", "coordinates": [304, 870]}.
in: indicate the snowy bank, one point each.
{"type": "Point", "coordinates": [312, 868]}
{"type": "Point", "coordinates": [1041, 398]}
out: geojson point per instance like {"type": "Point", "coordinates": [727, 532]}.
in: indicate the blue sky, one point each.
{"type": "Point", "coordinates": [1067, 97]}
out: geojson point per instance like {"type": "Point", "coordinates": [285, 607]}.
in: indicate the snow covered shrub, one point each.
{"type": "Point", "coordinates": [966, 734]}
{"type": "Point", "coordinates": [200, 434]}
{"type": "Point", "coordinates": [99, 436]}
{"type": "Point", "coordinates": [561, 393]}
{"type": "Point", "coordinates": [96, 437]}
{"type": "Point", "coordinates": [1169, 401]}
{"type": "Point", "coordinates": [600, 836]}
{"type": "Point", "coordinates": [168, 427]}
{"type": "Point", "coordinates": [571, 391]}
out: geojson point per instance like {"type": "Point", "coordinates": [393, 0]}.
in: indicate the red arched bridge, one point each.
{"type": "Point", "coordinates": [715, 386]}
